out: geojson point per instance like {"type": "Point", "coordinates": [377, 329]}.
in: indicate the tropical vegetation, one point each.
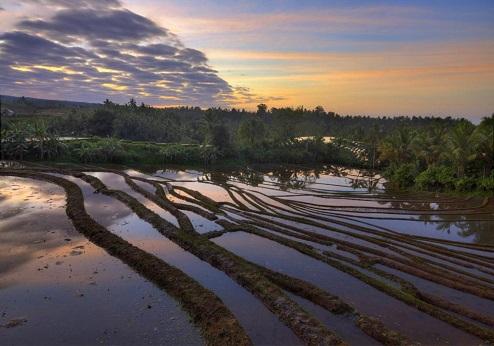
{"type": "Point", "coordinates": [425, 153]}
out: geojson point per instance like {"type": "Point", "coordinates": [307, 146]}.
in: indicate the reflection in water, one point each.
{"type": "Point", "coordinates": [340, 212]}
{"type": "Point", "coordinates": [262, 326]}
{"type": "Point", "coordinates": [68, 290]}
{"type": "Point", "coordinates": [394, 313]}
{"type": "Point", "coordinates": [426, 214]}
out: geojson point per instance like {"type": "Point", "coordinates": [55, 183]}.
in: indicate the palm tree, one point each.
{"type": "Point", "coordinates": [485, 131]}
{"type": "Point", "coordinates": [15, 141]}
{"type": "Point", "coordinates": [429, 146]}
{"type": "Point", "coordinates": [397, 148]}
{"type": "Point", "coordinates": [209, 121]}
{"type": "Point", "coordinates": [40, 136]}
{"type": "Point", "coordinates": [462, 142]}
{"type": "Point", "coordinates": [3, 144]}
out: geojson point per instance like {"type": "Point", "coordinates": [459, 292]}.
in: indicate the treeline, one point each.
{"type": "Point", "coordinates": [437, 158]}
{"type": "Point", "coordinates": [414, 152]}
{"type": "Point", "coordinates": [185, 124]}
{"type": "Point", "coordinates": [25, 141]}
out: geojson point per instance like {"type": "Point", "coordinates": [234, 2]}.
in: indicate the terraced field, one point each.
{"type": "Point", "coordinates": [280, 256]}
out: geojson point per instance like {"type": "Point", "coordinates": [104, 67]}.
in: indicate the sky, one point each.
{"type": "Point", "coordinates": [352, 57]}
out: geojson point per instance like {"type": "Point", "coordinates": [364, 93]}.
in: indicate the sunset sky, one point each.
{"type": "Point", "coordinates": [352, 57]}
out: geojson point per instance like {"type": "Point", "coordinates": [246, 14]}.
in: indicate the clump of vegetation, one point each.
{"type": "Point", "coordinates": [487, 183]}
{"type": "Point", "coordinates": [402, 175]}
{"type": "Point", "coordinates": [101, 150]}
{"type": "Point", "coordinates": [30, 141]}
{"type": "Point", "coordinates": [437, 158]}
{"type": "Point", "coordinates": [177, 153]}
{"type": "Point", "coordinates": [436, 178]}
{"type": "Point", "coordinates": [422, 153]}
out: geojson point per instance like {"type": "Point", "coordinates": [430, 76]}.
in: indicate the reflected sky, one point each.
{"type": "Point", "coordinates": [47, 263]}
{"type": "Point", "coordinates": [68, 290]}
{"type": "Point", "coordinates": [350, 194]}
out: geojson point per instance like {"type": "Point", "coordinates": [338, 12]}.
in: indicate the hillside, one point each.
{"type": "Point", "coordinates": [29, 106]}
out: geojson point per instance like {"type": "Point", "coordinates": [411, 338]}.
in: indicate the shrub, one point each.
{"type": "Point", "coordinates": [178, 153]}
{"type": "Point", "coordinates": [102, 150]}
{"type": "Point", "coordinates": [466, 184]}
{"type": "Point", "coordinates": [109, 150]}
{"type": "Point", "coordinates": [436, 178]}
{"type": "Point", "coordinates": [487, 184]}
{"type": "Point", "coordinates": [209, 154]}
{"type": "Point", "coordinates": [402, 175]}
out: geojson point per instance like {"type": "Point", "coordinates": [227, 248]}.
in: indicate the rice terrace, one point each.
{"type": "Point", "coordinates": [269, 173]}
{"type": "Point", "coordinates": [291, 256]}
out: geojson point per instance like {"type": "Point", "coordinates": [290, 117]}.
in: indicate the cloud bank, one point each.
{"type": "Point", "coordinates": [99, 49]}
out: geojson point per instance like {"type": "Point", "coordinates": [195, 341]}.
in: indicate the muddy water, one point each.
{"type": "Point", "coordinates": [395, 314]}
{"type": "Point", "coordinates": [56, 288]}
{"type": "Point", "coordinates": [48, 281]}
{"type": "Point", "coordinates": [262, 326]}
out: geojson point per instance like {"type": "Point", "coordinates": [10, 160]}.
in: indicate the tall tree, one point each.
{"type": "Point", "coordinates": [462, 146]}
{"type": "Point", "coordinates": [397, 148]}
{"type": "Point", "coordinates": [485, 131]}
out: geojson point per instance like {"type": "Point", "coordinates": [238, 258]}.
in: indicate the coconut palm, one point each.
{"type": "Point", "coordinates": [398, 147]}
{"type": "Point", "coordinates": [462, 145]}
{"type": "Point", "coordinates": [429, 146]}
{"type": "Point", "coordinates": [485, 131]}
{"type": "Point", "coordinates": [40, 137]}
{"type": "Point", "coordinates": [14, 141]}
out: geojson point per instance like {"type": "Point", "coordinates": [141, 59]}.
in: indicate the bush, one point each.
{"type": "Point", "coordinates": [178, 153]}
{"type": "Point", "coordinates": [466, 184]}
{"type": "Point", "coordinates": [436, 178]}
{"type": "Point", "coordinates": [101, 123]}
{"type": "Point", "coordinates": [487, 184]}
{"type": "Point", "coordinates": [402, 175]}
{"type": "Point", "coordinates": [101, 150]}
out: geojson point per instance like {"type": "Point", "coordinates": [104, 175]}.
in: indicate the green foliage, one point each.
{"type": "Point", "coordinates": [107, 150]}
{"type": "Point", "coordinates": [485, 136]}
{"type": "Point", "coordinates": [251, 133]}
{"type": "Point", "coordinates": [216, 133]}
{"type": "Point", "coordinates": [101, 123]}
{"type": "Point", "coordinates": [15, 142]}
{"type": "Point", "coordinates": [462, 146]}
{"type": "Point", "coordinates": [418, 152]}
{"type": "Point", "coordinates": [397, 148]}
{"type": "Point", "coordinates": [219, 137]}
{"type": "Point", "coordinates": [436, 178]}
{"type": "Point", "coordinates": [487, 184]}
{"type": "Point", "coordinates": [22, 140]}
{"type": "Point", "coordinates": [466, 184]}
{"type": "Point", "coordinates": [180, 154]}
{"type": "Point", "coordinates": [209, 154]}
{"type": "Point", "coordinates": [457, 158]}
{"type": "Point", "coordinates": [402, 176]}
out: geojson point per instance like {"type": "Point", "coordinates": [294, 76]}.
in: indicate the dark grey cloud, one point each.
{"type": "Point", "coordinates": [23, 48]}
{"type": "Point", "coordinates": [77, 3]}
{"type": "Point", "coordinates": [88, 23]}
{"type": "Point", "coordinates": [158, 49]}
{"type": "Point", "coordinates": [91, 52]}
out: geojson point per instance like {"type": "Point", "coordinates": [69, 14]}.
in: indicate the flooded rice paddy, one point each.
{"type": "Point", "coordinates": [265, 256]}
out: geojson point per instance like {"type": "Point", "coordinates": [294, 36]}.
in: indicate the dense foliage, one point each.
{"type": "Point", "coordinates": [437, 158]}
{"type": "Point", "coordinates": [422, 152]}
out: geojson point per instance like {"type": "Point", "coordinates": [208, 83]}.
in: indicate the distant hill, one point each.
{"type": "Point", "coordinates": [30, 106]}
